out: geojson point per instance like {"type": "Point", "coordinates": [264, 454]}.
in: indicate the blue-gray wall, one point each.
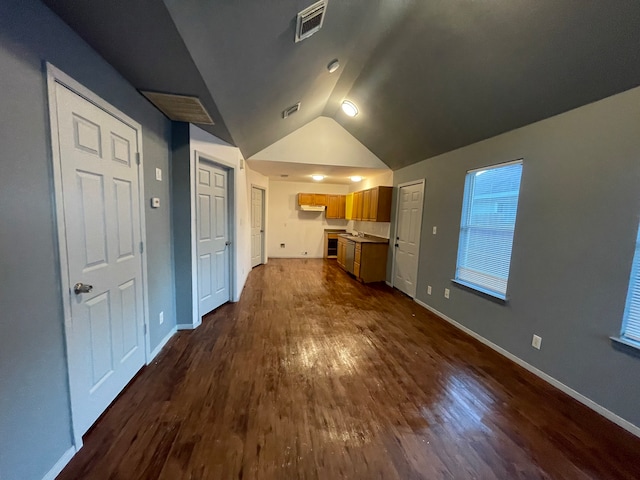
{"type": "Point", "coordinates": [574, 241]}
{"type": "Point", "coordinates": [35, 427]}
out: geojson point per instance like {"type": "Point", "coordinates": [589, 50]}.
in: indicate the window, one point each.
{"type": "Point", "coordinates": [486, 228]}
{"type": "Point", "coordinates": [631, 321]}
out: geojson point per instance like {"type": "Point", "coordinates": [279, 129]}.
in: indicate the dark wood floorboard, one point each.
{"type": "Point", "coordinates": [313, 375]}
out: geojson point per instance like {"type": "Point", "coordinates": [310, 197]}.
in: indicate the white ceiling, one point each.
{"type": "Point", "coordinates": [301, 172]}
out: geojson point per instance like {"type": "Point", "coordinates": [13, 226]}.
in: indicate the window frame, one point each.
{"type": "Point", "coordinates": [633, 290]}
{"type": "Point", "coordinates": [467, 201]}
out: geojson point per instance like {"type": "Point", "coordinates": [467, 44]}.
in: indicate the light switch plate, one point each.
{"type": "Point", "coordinates": [159, 174]}
{"type": "Point", "coordinates": [435, 230]}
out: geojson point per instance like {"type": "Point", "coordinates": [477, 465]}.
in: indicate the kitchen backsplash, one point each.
{"type": "Point", "coordinates": [378, 229]}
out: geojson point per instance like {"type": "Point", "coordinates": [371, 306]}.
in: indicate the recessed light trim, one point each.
{"type": "Point", "coordinates": [318, 178]}
{"type": "Point", "coordinates": [355, 178]}
{"type": "Point", "coordinates": [349, 108]}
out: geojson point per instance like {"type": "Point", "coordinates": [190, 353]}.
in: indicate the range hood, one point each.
{"type": "Point", "coordinates": [312, 208]}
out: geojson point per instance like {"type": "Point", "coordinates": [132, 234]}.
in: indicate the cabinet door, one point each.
{"type": "Point", "coordinates": [366, 204]}
{"type": "Point", "coordinates": [342, 200]}
{"type": "Point", "coordinates": [320, 199]}
{"type": "Point", "coordinates": [373, 209]}
{"type": "Point", "coordinates": [383, 207]}
{"type": "Point", "coordinates": [333, 210]}
{"type": "Point", "coordinates": [305, 199]}
{"type": "Point", "coordinates": [357, 206]}
{"type": "Point", "coordinates": [349, 207]}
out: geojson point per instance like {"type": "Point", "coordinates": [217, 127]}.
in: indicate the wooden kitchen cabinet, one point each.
{"type": "Point", "coordinates": [370, 262]}
{"type": "Point", "coordinates": [369, 258]}
{"type": "Point", "coordinates": [357, 205]}
{"type": "Point", "coordinates": [366, 204]}
{"type": "Point", "coordinates": [335, 206]}
{"type": "Point", "coordinates": [342, 252]}
{"type": "Point", "coordinates": [315, 199]}
{"type": "Point", "coordinates": [379, 205]}
{"type": "Point", "coordinates": [372, 205]}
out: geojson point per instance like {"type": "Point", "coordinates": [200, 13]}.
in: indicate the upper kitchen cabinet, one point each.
{"type": "Point", "coordinates": [335, 206]}
{"type": "Point", "coordinates": [313, 199]}
{"type": "Point", "coordinates": [373, 205]}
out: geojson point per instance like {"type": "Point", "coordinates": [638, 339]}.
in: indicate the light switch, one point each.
{"type": "Point", "coordinates": [435, 230]}
{"type": "Point", "coordinates": [155, 202]}
{"type": "Point", "coordinates": [159, 174]}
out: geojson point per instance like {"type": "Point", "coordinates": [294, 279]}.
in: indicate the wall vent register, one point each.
{"type": "Point", "coordinates": [310, 20]}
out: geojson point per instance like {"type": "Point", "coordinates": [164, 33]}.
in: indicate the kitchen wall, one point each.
{"type": "Point", "coordinates": [379, 229]}
{"type": "Point", "coordinates": [35, 423]}
{"type": "Point", "coordinates": [573, 247]}
{"type": "Point", "coordinates": [299, 231]}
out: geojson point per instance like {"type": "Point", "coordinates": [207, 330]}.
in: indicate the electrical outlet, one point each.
{"type": "Point", "coordinates": [282, 245]}
{"type": "Point", "coordinates": [446, 293]}
{"type": "Point", "coordinates": [536, 342]}
{"type": "Point", "coordinates": [161, 318]}
{"type": "Point", "coordinates": [304, 253]}
{"type": "Point", "coordinates": [435, 229]}
{"type": "Point", "coordinates": [428, 289]}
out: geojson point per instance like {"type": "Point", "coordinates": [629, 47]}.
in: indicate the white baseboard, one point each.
{"type": "Point", "coordinates": [608, 414]}
{"type": "Point", "coordinates": [187, 326]}
{"type": "Point", "coordinates": [162, 343]}
{"type": "Point", "coordinates": [60, 464]}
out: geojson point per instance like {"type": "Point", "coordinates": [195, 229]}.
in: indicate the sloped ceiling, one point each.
{"type": "Point", "coordinates": [428, 76]}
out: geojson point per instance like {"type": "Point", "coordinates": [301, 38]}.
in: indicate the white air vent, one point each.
{"type": "Point", "coordinates": [180, 108]}
{"type": "Point", "coordinates": [291, 110]}
{"type": "Point", "coordinates": [310, 20]}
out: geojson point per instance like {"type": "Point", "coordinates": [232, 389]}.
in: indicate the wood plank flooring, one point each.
{"type": "Point", "coordinates": [315, 376]}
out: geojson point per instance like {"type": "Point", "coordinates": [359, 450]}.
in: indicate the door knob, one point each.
{"type": "Point", "coordinates": [227, 243]}
{"type": "Point", "coordinates": [79, 288]}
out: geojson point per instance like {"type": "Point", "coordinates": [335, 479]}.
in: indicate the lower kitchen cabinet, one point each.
{"type": "Point", "coordinates": [368, 261]}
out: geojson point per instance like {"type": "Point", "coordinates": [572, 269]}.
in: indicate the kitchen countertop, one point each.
{"type": "Point", "coordinates": [365, 239]}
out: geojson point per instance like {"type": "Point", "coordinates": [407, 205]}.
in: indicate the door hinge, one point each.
{"type": "Point", "coordinates": [138, 158]}
{"type": "Point", "coordinates": [141, 247]}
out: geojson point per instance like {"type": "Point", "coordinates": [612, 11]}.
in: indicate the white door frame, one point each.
{"type": "Point", "coordinates": [54, 75]}
{"type": "Point", "coordinates": [395, 229]}
{"type": "Point", "coordinates": [197, 156]}
{"type": "Point", "coordinates": [263, 258]}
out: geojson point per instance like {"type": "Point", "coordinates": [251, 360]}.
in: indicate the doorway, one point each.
{"type": "Point", "coordinates": [407, 244]}
{"type": "Point", "coordinates": [100, 216]}
{"type": "Point", "coordinates": [213, 244]}
{"type": "Point", "coordinates": [257, 226]}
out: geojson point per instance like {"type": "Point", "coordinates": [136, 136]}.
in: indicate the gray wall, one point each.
{"type": "Point", "coordinates": [181, 210]}
{"type": "Point", "coordinates": [574, 240]}
{"type": "Point", "coordinates": [35, 427]}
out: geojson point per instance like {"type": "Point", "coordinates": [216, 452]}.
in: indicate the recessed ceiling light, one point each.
{"type": "Point", "coordinates": [317, 178]}
{"type": "Point", "coordinates": [349, 108]}
{"type": "Point", "coordinates": [356, 178]}
{"type": "Point", "coordinates": [333, 65]}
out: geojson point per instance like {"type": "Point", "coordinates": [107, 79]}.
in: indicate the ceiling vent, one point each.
{"type": "Point", "coordinates": [291, 110]}
{"type": "Point", "coordinates": [310, 20]}
{"type": "Point", "coordinates": [180, 108]}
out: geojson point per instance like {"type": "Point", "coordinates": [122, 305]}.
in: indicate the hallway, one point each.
{"type": "Point", "coordinates": [315, 376]}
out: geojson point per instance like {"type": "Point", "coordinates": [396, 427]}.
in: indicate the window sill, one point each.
{"type": "Point", "coordinates": [626, 346]}
{"type": "Point", "coordinates": [494, 297]}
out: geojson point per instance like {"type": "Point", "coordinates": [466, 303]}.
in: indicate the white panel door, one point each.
{"type": "Point", "coordinates": [213, 236]}
{"type": "Point", "coordinates": [257, 226]}
{"type": "Point", "coordinates": [102, 230]}
{"type": "Point", "coordinates": [410, 200]}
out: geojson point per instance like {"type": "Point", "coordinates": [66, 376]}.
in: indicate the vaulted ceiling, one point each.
{"type": "Point", "coordinates": [427, 76]}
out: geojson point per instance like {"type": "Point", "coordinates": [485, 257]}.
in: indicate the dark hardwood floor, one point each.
{"type": "Point", "coordinates": [313, 375]}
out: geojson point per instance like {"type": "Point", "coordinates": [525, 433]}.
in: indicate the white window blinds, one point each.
{"type": "Point", "coordinates": [486, 229]}
{"type": "Point", "coordinates": [631, 322]}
